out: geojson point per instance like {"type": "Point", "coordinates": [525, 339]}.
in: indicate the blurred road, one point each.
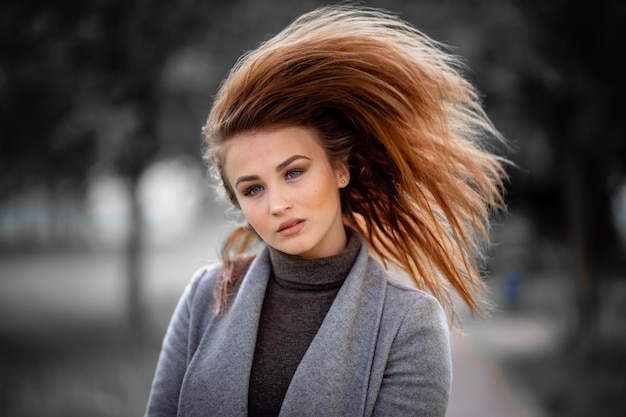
{"type": "Point", "coordinates": [63, 290]}
{"type": "Point", "coordinates": [481, 387]}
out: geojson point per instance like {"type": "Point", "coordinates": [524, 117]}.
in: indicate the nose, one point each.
{"type": "Point", "coordinates": [278, 202]}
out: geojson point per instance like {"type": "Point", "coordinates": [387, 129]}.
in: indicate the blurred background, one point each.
{"type": "Point", "coordinates": [106, 209]}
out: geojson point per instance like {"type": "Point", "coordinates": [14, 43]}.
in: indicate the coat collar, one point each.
{"type": "Point", "coordinates": [334, 372]}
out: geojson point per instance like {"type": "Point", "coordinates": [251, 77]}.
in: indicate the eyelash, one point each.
{"type": "Point", "coordinates": [250, 191]}
{"type": "Point", "coordinates": [292, 173]}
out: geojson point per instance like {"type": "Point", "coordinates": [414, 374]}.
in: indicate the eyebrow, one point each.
{"type": "Point", "coordinates": [279, 167]}
{"type": "Point", "coordinates": [289, 160]}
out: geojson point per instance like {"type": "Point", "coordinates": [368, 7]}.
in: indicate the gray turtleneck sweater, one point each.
{"type": "Point", "coordinates": [298, 296]}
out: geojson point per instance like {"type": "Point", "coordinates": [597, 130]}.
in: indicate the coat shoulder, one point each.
{"type": "Point", "coordinates": [402, 299]}
{"type": "Point", "coordinates": [199, 294]}
{"type": "Point", "coordinates": [398, 291]}
{"type": "Point", "coordinates": [204, 278]}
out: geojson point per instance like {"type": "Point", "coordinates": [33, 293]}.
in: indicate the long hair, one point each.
{"type": "Point", "coordinates": [395, 104]}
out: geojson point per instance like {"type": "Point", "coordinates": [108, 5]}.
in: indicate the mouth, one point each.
{"type": "Point", "coordinates": [290, 227]}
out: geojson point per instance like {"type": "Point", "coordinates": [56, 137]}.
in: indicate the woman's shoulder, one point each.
{"type": "Point", "coordinates": [402, 298]}
{"type": "Point", "coordinates": [206, 274]}
{"type": "Point", "coordinates": [398, 287]}
{"type": "Point", "coordinates": [203, 281]}
{"type": "Point", "coordinates": [400, 290]}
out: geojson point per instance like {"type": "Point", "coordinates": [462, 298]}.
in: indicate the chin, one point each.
{"type": "Point", "coordinates": [292, 249]}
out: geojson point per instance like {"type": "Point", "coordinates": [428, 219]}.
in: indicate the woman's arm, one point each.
{"type": "Point", "coordinates": [418, 374]}
{"type": "Point", "coordinates": [173, 359]}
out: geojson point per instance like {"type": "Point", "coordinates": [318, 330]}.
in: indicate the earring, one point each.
{"type": "Point", "coordinates": [343, 181]}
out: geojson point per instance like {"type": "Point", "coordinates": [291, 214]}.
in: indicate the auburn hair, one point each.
{"type": "Point", "coordinates": [396, 105]}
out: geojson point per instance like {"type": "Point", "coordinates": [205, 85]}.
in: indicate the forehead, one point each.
{"type": "Point", "coordinates": [267, 148]}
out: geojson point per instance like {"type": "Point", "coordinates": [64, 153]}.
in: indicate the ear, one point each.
{"type": "Point", "coordinates": [343, 174]}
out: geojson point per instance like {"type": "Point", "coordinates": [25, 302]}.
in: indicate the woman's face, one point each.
{"type": "Point", "coordinates": [288, 190]}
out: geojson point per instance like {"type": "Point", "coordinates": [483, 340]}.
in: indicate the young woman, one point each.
{"type": "Point", "coordinates": [352, 144]}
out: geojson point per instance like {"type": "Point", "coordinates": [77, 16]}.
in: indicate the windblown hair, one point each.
{"type": "Point", "coordinates": [394, 104]}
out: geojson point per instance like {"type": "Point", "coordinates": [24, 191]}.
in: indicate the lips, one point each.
{"type": "Point", "coordinates": [291, 226]}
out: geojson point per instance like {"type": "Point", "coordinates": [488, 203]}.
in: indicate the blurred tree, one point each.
{"type": "Point", "coordinates": [39, 88]}
{"type": "Point", "coordinates": [573, 87]}
{"type": "Point", "coordinates": [80, 85]}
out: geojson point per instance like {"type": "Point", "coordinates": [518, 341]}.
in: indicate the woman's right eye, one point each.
{"type": "Point", "coordinates": [250, 191]}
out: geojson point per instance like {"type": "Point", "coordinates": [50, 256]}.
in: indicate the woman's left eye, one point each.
{"type": "Point", "coordinates": [293, 173]}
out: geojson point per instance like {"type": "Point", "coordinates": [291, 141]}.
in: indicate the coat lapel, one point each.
{"type": "Point", "coordinates": [332, 378]}
{"type": "Point", "coordinates": [222, 367]}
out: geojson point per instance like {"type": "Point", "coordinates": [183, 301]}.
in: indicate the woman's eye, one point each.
{"type": "Point", "coordinates": [250, 191]}
{"type": "Point", "coordinates": [293, 173]}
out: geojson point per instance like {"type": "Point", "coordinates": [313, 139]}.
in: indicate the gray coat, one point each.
{"type": "Point", "coordinates": [382, 350]}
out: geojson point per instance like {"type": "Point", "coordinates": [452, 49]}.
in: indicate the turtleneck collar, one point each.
{"type": "Point", "coordinates": [292, 271]}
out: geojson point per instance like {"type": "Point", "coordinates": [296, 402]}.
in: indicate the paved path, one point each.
{"type": "Point", "coordinates": [480, 386]}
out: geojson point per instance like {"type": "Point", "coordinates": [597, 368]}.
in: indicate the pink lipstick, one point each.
{"type": "Point", "coordinates": [290, 227]}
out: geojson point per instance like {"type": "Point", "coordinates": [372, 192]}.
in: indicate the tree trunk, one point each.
{"type": "Point", "coordinates": [134, 262]}
{"type": "Point", "coordinates": [575, 202]}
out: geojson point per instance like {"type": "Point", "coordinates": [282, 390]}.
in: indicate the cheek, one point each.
{"type": "Point", "coordinates": [258, 219]}
{"type": "Point", "coordinates": [251, 214]}
{"type": "Point", "coordinates": [320, 191]}
{"type": "Point", "coordinates": [323, 197]}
